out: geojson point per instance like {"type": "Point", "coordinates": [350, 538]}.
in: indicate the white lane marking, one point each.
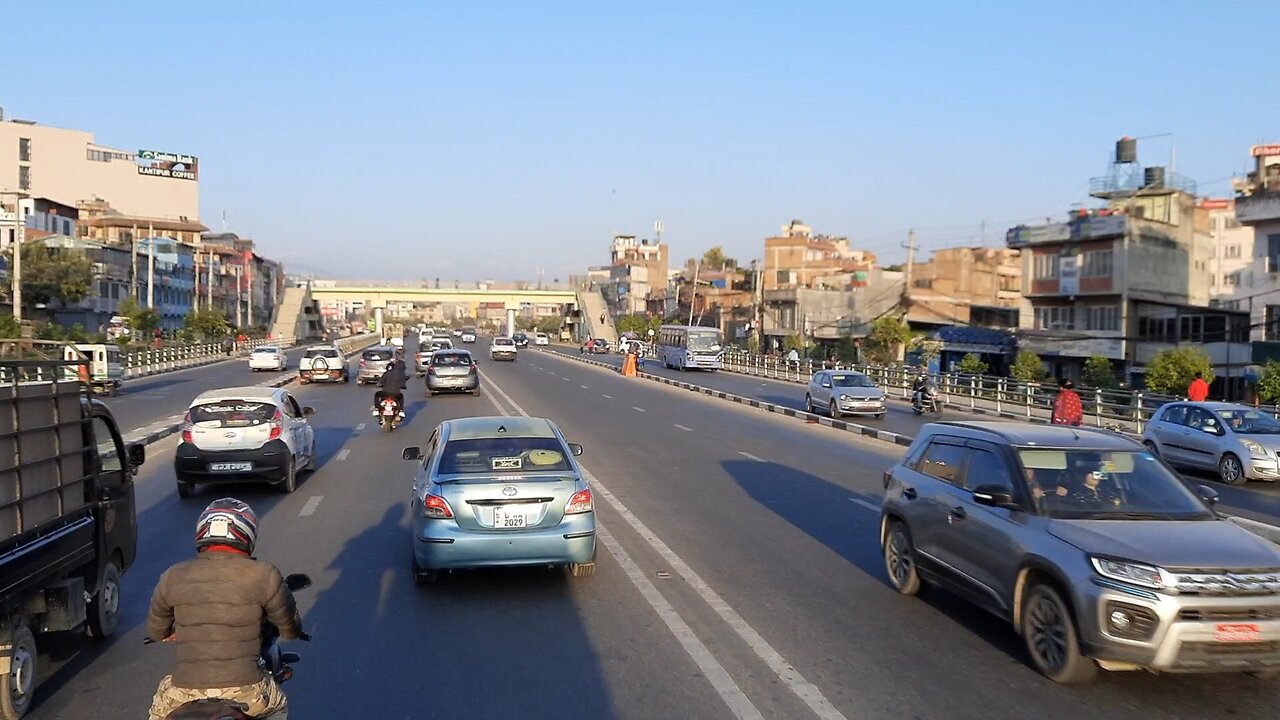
{"type": "Point", "coordinates": [711, 668]}
{"type": "Point", "coordinates": [865, 504]}
{"type": "Point", "coordinates": [607, 397]}
{"type": "Point", "coordinates": [682, 427]}
{"type": "Point", "coordinates": [637, 409]}
{"type": "Point", "coordinates": [342, 454]}
{"type": "Point", "coordinates": [584, 387]}
{"type": "Point", "coordinates": [310, 507]}
{"type": "Point", "coordinates": [749, 456]}
{"type": "Point", "coordinates": [785, 671]}
{"type": "Point", "coordinates": [360, 427]}
{"type": "Point", "coordinates": [567, 379]}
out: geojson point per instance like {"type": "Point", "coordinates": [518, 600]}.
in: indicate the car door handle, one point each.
{"type": "Point", "coordinates": [957, 513]}
{"type": "Point", "coordinates": [909, 493]}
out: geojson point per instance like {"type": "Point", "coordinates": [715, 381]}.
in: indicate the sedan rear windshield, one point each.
{"type": "Point", "coordinates": [1107, 485]}
{"type": "Point", "coordinates": [266, 351]}
{"type": "Point", "coordinates": [503, 456]}
{"type": "Point", "coordinates": [502, 341]}
{"type": "Point", "coordinates": [377, 355]}
{"type": "Point", "coordinates": [448, 358]}
{"type": "Point", "coordinates": [232, 414]}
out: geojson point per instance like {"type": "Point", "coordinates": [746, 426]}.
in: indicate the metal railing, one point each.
{"type": "Point", "coordinates": [149, 361]}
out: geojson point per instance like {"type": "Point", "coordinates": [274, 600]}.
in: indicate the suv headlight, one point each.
{"type": "Point", "coordinates": [1255, 449]}
{"type": "Point", "coordinates": [1133, 573]}
{"type": "Point", "coordinates": [844, 397]}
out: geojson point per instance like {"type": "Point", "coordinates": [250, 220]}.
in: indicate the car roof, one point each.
{"type": "Point", "coordinates": [1211, 405]}
{"type": "Point", "coordinates": [381, 348]}
{"type": "Point", "coordinates": [249, 392]}
{"type": "Point", "coordinates": [475, 428]}
{"type": "Point", "coordinates": [1033, 434]}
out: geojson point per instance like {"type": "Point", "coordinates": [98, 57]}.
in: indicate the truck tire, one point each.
{"type": "Point", "coordinates": [18, 686]}
{"type": "Point", "coordinates": [104, 608]}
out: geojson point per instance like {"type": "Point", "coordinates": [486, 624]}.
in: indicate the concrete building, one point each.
{"type": "Point", "coordinates": [967, 286]}
{"type": "Point", "coordinates": [1233, 271]}
{"type": "Point", "coordinates": [799, 259]}
{"type": "Point", "coordinates": [69, 166]}
{"type": "Point", "coordinates": [637, 269]}
{"type": "Point", "coordinates": [1257, 207]}
{"type": "Point", "coordinates": [828, 314]}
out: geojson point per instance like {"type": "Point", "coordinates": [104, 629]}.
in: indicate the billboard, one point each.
{"type": "Point", "coordinates": [1069, 275]}
{"type": "Point", "coordinates": [1264, 150]}
{"type": "Point", "coordinates": [168, 165]}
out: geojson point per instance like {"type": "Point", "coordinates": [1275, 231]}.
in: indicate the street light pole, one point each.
{"type": "Point", "coordinates": [18, 238]}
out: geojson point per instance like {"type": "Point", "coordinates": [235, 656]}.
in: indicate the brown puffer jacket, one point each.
{"type": "Point", "coordinates": [215, 603]}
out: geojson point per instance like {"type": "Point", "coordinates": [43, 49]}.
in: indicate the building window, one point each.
{"type": "Point", "coordinates": [1106, 317]}
{"type": "Point", "coordinates": [1231, 251]}
{"type": "Point", "coordinates": [1271, 323]}
{"type": "Point", "coordinates": [926, 283]}
{"type": "Point", "coordinates": [1046, 267]}
{"type": "Point", "coordinates": [784, 277]}
{"type": "Point", "coordinates": [96, 155]}
{"type": "Point", "coordinates": [1231, 279]}
{"type": "Point", "coordinates": [24, 149]}
{"type": "Point", "coordinates": [1097, 264]}
{"type": "Point", "coordinates": [24, 177]}
{"type": "Point", "coordinates": [1056, 318]}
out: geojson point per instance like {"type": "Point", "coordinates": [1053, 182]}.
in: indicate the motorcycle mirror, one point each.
{"type": "Point", "coordinates": [297, 581]}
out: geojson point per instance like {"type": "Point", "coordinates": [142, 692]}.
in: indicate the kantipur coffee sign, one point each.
{"type": "Point", "coordinates": [168, 165]}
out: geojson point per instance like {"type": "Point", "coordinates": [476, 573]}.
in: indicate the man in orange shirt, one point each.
{"type": "Point", "coordinates": [1199, 389]}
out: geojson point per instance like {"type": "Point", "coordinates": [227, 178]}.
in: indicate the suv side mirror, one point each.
{"type": "Point", "coordinates": [1208, 494]}
{"type": "Point", "coordinates": [575, 448]}
{"type": "Point", "coordinates": [308, 411]}
{"type": "Point", "coordinates": [994, 496]}
{"type": "Point", "coordinates": [297, 581]}
{"type": "Point", "coordinates": [137, 453]}
{"type": "Point", "coordinates": [412, 453]}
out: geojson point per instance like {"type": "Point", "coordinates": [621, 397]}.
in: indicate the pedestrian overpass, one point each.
{"type": "Point", "coordinates": [376, 298]}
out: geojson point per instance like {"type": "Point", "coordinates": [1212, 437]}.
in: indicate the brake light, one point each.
{"type": "Point", "coordinates": [186, 428]}
{"type": "Point", "coordinates": [277, 425]}
{"type": "Point", "coordinates": [581, 502]}
{"type": "Point", "coordinates": [431, 369]}
{"type": "Point", "coordinates": [362, 362]}
{"type": "Point", "coordinates": [436, 507]}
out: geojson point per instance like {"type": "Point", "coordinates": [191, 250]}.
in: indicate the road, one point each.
{"type": "Point", "coordinates": [741, 578]}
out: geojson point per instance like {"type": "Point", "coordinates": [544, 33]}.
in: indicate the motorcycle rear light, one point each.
{"type": "Point", "coordinates": [581, 502]}
{"type": "Point", "coordinates": [436, 507]}
{"type": "Point", "coordinates": [186, 428]}
{"type": "Point", "coordinates": [277, 425]}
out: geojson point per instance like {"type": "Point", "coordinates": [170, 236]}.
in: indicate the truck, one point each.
{"type": "Point", "coordinates": [105, 364]}
{"type": "Point", "coordinates": [68, 524]}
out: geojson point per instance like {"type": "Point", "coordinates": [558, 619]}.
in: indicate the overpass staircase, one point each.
{"type": "Point", "coordinates": [593, 307]}
{"type": "Point", "coordinates": [298, 315]}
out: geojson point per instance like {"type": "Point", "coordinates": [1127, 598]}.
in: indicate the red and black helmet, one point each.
{"type": "Point", "coordinates": [229, 522]}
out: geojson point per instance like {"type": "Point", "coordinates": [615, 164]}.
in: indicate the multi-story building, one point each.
{"type": "Point", "coordinates": [1257, 206]}
{"type": "Point", "coordinates": [828, 314]}
{"type": "Point", "coordinates": [798, 258]}
{"type": "Point", "coordinates": [967, 286]}
{"type": "Point", "coordinates": [112, 280]}
{"type": "Point", "coordinates": [637, 269]}
{"type": "Point", "coordinates": [1233, 274]}
{"type": "Point", "coordinates": [70, 167]}
{"type": "Point", "coordinates": [260, 282]}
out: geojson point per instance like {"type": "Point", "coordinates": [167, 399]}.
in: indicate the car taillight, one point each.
{"type": "Point", "coordinates": [362, 362]}
{"type": "Point", "coordinates": [581, 502]}
{"type": "Point", "coordinates": [277, 425]}
{"type": "Point", "coordinates": [431, 369]}
{"type": "Point", "coordinates": [888, 477]}
{"type": "Point", "coordinates": [436, 507]}
{"type": "Point", "coordinates": [186, 428]}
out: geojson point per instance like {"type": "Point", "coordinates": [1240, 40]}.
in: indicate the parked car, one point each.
{"type": "Point", "coordinates": [541, 339]}
{"type": "Point", "coordinates": [452, 371]}
{"type": "Point", "coordinates": [1088, 544]}
{"type": "Point", "coordinates": [426, 348]}
{"type": "Point", "coordinates": [844, 392]}
{"type": "Point", "coordinates": [503, 348]}
{"type": "Point", "coordinates": [1237, 442]}
{"type": "Point", "coordinates": [244, 434]}
{"type": "Point", "coordinates": [500, 491]}
{"type": "Point", "coordinates": [373, 363]}
{"type": "Point", "coordinates": [323, 363]}
{"type": "Point", "coordinates": [468, 335]}
{"type": "Point", "coordinates": [268, 358]}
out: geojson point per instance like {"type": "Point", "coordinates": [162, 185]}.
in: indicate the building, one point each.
{"type": "Point", "coordinates": [799, 259]}
{"type": "Point", "coordinates": [69, 166]}
{"type": "Point", "coordinates": [1233, 274]}
{"type": "Point", "coordinates": [967, 286]}
{"type": "Point", "coordinates": [112, 278]}
{"type": "Point", "coordinates": [828, 314]}
{"type": "Point", "coordinates": [1257, 207]}
{"type": "Point", "coordinates": [637, 269]}
{"type": "Point", "coordinates": [260, 282]}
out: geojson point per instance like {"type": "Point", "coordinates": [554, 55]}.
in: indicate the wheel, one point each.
{"type": "Point", "coordinates": [186, 488]}
{"type": "Point", "coordinates": [425, 577]}
{"type": "Point", "coordinates": [1230, 470]}
{"type": "Point", "coordinates": [900, 560]}
{"type": "Point", "coordinates": [833, 409]}
{"type": "Point", "coordinates": [475, 393]}
{"type": "Point", "coordinates": [1052, 642]}
{"type": "Point", "coordinates": [104, 607]}
{"type": "Point", "coordinates": [387, 425]}
{"type": "Point", "coordinates": [585, 569]}
{"type": "Point", "coordinates": [18, 685]}
{"type": "Point", "coordinates": [808, 403]}
{"type": "Point", "coordinates": [289, 482]}
{"type": "Point", "coordinates": [879, 416]}
{"type": "Point", "coordinates": [1152, 447]}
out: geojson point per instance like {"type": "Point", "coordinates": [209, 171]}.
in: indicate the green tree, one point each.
{"type": "Point", "coordinates": [77, 334]}
{"type": "Point", "coordinates": [715, 259]}
{"type": "Point", "coordinates": [1172, 370]}
{"type": "Point", "coordinates": [550, 324]}
{"type": "Point", "coordinates": [972, 364]}
{"type": "Point", "coordinates": [847, 352]}
{"type": "Point", "coordinates": [796, 342]}
{"type": "Point", "coordinates": [525, 323]}
{"type": "Point", "coordinates": [52, 276]}
{"type": "Point", "coordinates": [207, 325]}
{"type": "Point", "coordinates": [50, 331]}
{"type": "Point", "coordinates": [638, 324]}
{"type": "Point", "coordinates": [1027, 367]}
{"type": "Point", "coordinates": [9, 328]}
{"type": "Point", "coordinates": [1269, 382]}
{"type": "Point", "coordinates": [1098, 373]}
{"type": "Point", "coordinates": [887, 336]}
{"type": "Point", "coordinates": [927, 348]}
{"type": "Point", "coordinates": [142, 321]}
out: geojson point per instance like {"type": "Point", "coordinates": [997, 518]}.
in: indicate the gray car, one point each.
{"type": "Point", "coordinates": [373, 363]}
{"type": "Point", "coordinates": [452, 371]}
{"type": "Point", "coordinates": [844, 392]}
{"type": "Point", "coordinates": [500, 492]}
{"type": "Point", "coordinates": [1088, 544]}
{"type": "Point", "coordinates": [1238, 442]}
{"type": "Point", "coordinates": [423, 357]}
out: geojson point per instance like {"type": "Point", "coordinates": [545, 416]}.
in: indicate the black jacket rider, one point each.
{"type": "Point", "coordinates": [394, 380]}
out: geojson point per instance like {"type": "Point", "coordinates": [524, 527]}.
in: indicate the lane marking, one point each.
{"type": "Point", "coordinates": [785, 671]}
{"type": "Point", "coordinates": [865, 504]}
{"type": "Point", "coordinates": [342, 454]}
{"type": "Point", "coordinates": [567, 379]}
{"type": "Point", "coordinates": [310, 507]}
{"type": "Point", "coordinates": [607, 397]}
{"type": "Point", "coordinates": [584, 387]}
{"type": "Point", "coordinates": [749, 456]}
{"type": "Point", "coordinates": [682, 427]}
{"type": "Point", "coordinates": [360, 427]}
{"type": "Point", "coordinates": [638, 409]}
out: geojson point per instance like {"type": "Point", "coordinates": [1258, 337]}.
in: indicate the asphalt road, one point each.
{"type": "Point", "coordinates": [740, 577]}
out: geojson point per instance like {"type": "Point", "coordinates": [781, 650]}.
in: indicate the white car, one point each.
{"type": "Point", "coordinates": [268, 358]}
{"type": "Point", "coordinates": [541, 339]}
{"type": "Point", "coordinates": [503, 348]}
{"type": "Point", "coordinates": [244, 434]}
{"type": "Point", "coordinates": [468, 335]}
{"type": "Point", "coordinates": [323, 363]}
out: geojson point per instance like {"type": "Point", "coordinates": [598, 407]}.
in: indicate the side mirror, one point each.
{"type": "Point", "coordinates": [308, 411]}
{"type": "Point", "coordinates": [137, 453]}
{"type": "Point", "coordinates": [297, 581]}
{"type": "Point", "coordinates": [994, 496]}
{"type": "Point", "coordinates": [412, 453]}
{"type": "Point", "coordinates": [1208, 494]}
{"type": "Point", "coordinates": [826, 384]}
{"type": "Point", "coordinates": [576, 449]}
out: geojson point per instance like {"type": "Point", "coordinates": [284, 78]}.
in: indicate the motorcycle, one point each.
{"type": "Point", "coordinates": [388, 412]}
{"type": "Point", "coordinates": [271, 658]}
{"type": "Point", "coordinates": [926, 400]}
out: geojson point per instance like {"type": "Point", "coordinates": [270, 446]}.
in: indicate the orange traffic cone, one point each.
{"type": "Point", "coordinates": [629, 365]}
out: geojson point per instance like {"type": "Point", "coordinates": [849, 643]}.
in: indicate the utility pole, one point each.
{"type": "Point", "coordinates": [209, 287]}
{"type": "Point", "coordinates": [151, 266]}
{"type": "Point", "coordinates": [133, 263]}
{"type": "Point", "coordinates": [693, 295]}
{"type": "Point", "coordinates": [906, 276]}
{"type": "Point", "coordinates": [195, 295]}
{"type": "Point", "coordinates": [19, 238]}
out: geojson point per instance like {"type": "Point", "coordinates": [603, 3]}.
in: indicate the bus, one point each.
{"type": "Point", "coordinates": [690, 348]}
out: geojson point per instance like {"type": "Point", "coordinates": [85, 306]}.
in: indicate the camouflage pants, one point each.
{"type": "Point", "coordinates": [263, 699]}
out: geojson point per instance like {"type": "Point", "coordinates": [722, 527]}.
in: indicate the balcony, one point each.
{"type": "Point", "coordinates": [1258, 208]}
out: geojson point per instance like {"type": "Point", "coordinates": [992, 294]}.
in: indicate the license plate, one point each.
{"type": "Point", "coordinates": [508, 519]}
{"type": "Point", "coordinates": [230, 467]}
{"type": "Point", "coordinates": [1237, 633]}
{"type": "Point", "coordinates": [388, 411]}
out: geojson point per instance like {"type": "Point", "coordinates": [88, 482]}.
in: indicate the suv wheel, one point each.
{"type": "Point", "coordinates": [1052, 642]}
{"type": "Point", "coordinates": [1230, 470]}
{"type": "Point", "coordinates": [900, 560]}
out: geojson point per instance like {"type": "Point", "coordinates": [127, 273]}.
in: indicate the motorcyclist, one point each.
{"type": "Point", "coordinates": [919, 387]}
{"type": "Point", "coordinates": [394, 380]}
{"type": "Point", "coordinates": [213, 607]}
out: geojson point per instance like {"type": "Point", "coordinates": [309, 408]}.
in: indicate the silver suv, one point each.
{"type": "Point", "coordinates": [1088, 544]}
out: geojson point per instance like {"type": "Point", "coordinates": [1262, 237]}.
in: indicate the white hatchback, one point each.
{"type": "Point", "coordinates": [245, 434]}
{"type": "Point", "coordinates": [268, 358]}
{"type": "Point", "coordinates": [541, 339]}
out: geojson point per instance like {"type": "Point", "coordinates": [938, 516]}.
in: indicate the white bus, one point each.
{"type": "Point", "coordinates": [690, 348]}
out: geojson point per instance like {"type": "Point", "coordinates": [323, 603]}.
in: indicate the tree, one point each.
{"type": "Point", "coordinates": [10, 328]}
{"type": "Point", "coordinates": [1269, 382]}
{"type": "Point", "coordinates": [715, 259]}
{"type": "Point", "coordinates": [77, 334]}
{"type": "Point", "coordinates": [550, 324]}
{"type": "Point", "coordinates": [1027, 367]}
{"type": "Point", "coordinates": [894, 268]}
{"type": "Point", "coordinates": [206, 324]}
{"type": "Point", "coordinates": [794, 341]}
{"type": "Point", "coordinates": [638, 324]}
{"type": "Point", "coordinates": [524, 323]}
{"type": "Point", "coordinates": [887, 336]}
{"type": "Point", "coordinates": [50, 331]}
{"type": "Point", "coordinates": [847, 352]}
{"type": "Point", "coordinates": [927, 348]}
{"type": "Point", "coordinates": [52, 276]}
{"type": "Point", "coordinates": [142, 321]}
{"type": "Point", "coordinates": [1172, 370]}
{"type": "Point", "coordinates": [972, 364]}
{"type": "Point", "coordinates": [1098, 373]}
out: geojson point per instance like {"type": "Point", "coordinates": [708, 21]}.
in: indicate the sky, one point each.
{"type": "Point", "coordinates": [486, 140]}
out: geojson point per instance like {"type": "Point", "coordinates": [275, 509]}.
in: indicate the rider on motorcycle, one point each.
{"type": "Point", "coordinates": [393, 383]}
{"type": "Point", "coordinates": [919, 387]}
{"type": "Point", "coordinates": [213, 607]}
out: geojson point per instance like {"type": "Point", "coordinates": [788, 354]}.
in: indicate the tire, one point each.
{"type": "Point", "coordinates": [586, 569]}
{"type": "Point", "coordinates": [387, 425]}
{"type": "Point", "coordinates": [475, 393]}
{"type": "Point", "coordinates": [425, 577]}
{"type": "Point", "coordinates": [1230, 471]}
{"type": "Point", "coordinates": [289, 482]}
{"type": "Point", "coordinates": [17, 687]}
{"type": "Point", "coordinates": [808, 404]}
{"type": "Point", "coordinates": [1052, 641]}
{"type": "Point", "coordinates": [900, 560]}
{"type": "Point", "coordinates": [833, 410]}
{"type": "Point", "coordinates": [104, 607]}
{"type": "Point", "coordinates": [186, 488]}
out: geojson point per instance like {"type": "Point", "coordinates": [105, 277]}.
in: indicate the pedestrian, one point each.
{"type": "Point", "coordinates": [602, 318]}
{"type": "Point", "coordinates": [793, 359]}
{"type": "Point", "coordinates": [1198, 391]}
{"type": "Point", "coordinates": [1067, 409]}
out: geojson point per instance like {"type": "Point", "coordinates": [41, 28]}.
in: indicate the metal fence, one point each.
{"type": "Point", "coordinates": [149, 361]}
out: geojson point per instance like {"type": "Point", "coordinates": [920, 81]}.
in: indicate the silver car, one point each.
{"type": "Point", "coordinates": [500, 492]}
{"type": "Point", "coordinates": [844, 392]}
{"type": "Point", "coordinates": [1238, 442]}
{"type": "Point", "coordinates": [452, 371]}
{"type": "Point", "coordinates": [1084, 541]}
{"type": "Point", "coordinates": [373, 363]}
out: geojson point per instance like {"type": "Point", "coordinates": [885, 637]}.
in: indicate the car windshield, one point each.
{"type": "Point", "coordinates": [450, 359]}
{"type": "Point", "coordinates": [704, 340]}
{"type": "Point", "coordinates": [377, 355]}
{"type": "Point", "coordinates": [1107, 485]}
{"type": "Point", "coordinates": [1250, 422]}
{"type": "Point", "coordinates": [852, 380]}
{"type": "Point", "coordinates": [501, 341]}
{"type": "Point", "coordinates": [231, 414]}
{"type": "Point", "coordinates": [504, 456]}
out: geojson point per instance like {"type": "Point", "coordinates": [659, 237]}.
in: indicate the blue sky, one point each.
{"type": "Point", "coordinates": [485, 140]}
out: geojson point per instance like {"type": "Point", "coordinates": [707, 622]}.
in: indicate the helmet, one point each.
{"type": "Point", "coordinates": [230, 522]}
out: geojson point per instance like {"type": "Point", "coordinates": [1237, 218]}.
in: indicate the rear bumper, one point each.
{"type": "Point", "coordinates": [500, 355]}
{"type": "Point", "coordinates": [367, 375]}
{"type": "Point", "coordinates": [268, 463]}
{"type": "Point", "coordinates": [463, 383]}
{"type": "Point", "coordinates": [442, 545]}
{"type": "Point", "coordinates": [322, 376]}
